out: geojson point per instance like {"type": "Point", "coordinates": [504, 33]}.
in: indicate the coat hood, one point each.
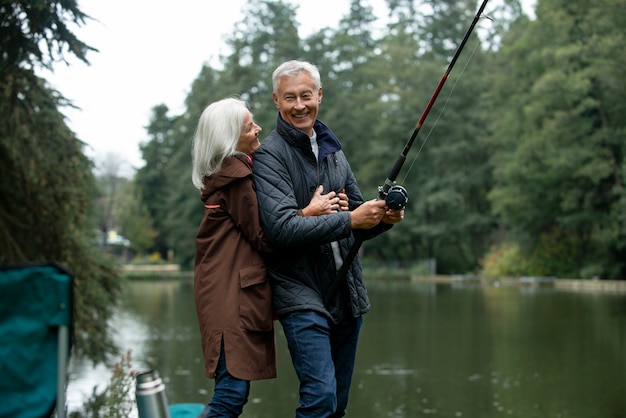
{"type": "Point", "coordinates": [233, 169]}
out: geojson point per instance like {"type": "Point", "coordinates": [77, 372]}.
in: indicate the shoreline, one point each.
{"type": "Point", "coordinates": [173, 271]}
{"type": "Point", "coordinates": [582, 285]}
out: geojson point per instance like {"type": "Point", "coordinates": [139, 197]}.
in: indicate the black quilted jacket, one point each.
{"type": "Point", "coordinates": [302, 269]}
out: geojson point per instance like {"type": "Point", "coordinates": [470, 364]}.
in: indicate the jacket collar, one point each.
{"type": "Point", "coordinates": [326, 139]}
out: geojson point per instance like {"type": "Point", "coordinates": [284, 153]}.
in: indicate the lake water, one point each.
{"type": "Point", "coordinates": [426, 349]}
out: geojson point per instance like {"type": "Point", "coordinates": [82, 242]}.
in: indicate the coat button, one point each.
{"type": "Point", "coordinates": [312, 189]}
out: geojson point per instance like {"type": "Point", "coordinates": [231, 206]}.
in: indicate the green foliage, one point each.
{"type": "Point", "coordinates": [387, 80]}
{"type": "Point", "coordinates": [504, 260]}
{"type": "Point", "coordinates": [47, 187]}
{"type": "Point", "coordinates": [558, 145]}
{"type": "Point", "coordinates": [151, 181]}
{"type": "Point", "coordinates": [526, 136]}
{"type": "Point", "coordinates": [556, 254]}
{"type": "Point", "coordinates": [116, 400]}
{"type": "Point", "coordinates": [134, 218]}
{"type": "Point", "coordinates": [36, 32]}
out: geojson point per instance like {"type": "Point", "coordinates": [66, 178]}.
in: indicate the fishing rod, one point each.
{"type": "Point", "coordinates": [395, 195]}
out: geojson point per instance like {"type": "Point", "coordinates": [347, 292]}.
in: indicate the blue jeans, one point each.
{"type": "Point", "coordinates": [230, 394]}
{"type": "Point", "coordinates": [323, 356]}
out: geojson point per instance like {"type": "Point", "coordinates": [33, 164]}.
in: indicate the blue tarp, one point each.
{"type": "Point", "coordinates": [186, 410]}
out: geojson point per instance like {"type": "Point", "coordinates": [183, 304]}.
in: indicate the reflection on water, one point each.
{"type": "Point", "coordinates": [460, 350]}
{"type": "Point", "coordinates": [131, 334]}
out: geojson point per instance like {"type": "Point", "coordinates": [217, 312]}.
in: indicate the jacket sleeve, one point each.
{"type": "Point", "coordinates": [244, 211]}
{"type": "Point", "coordinates": [276, 179]}
{"type": "Point", "coordinates": [355, 199]}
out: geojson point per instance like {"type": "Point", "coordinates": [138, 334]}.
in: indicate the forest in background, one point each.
{"type": "Point", "coordinates": [518, 170]}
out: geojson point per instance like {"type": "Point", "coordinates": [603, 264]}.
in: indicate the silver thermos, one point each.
{"type": "Point", "coordinates": [150, 394]}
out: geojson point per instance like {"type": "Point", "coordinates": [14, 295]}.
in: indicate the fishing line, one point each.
{"type": "Point", "coordinates": [443, 108]}
{"type": "Point", "coordinates": [395, 195]}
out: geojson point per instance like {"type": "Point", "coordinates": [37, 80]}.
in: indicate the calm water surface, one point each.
{"type": "Point", "coordinates": [441, 350]}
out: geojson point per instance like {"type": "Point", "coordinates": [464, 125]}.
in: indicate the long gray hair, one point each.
{"type": "Point", "coordinates": [216, 137]}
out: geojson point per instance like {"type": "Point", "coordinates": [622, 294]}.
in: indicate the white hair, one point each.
{"type": "Point", "coordinates": [292, 69]}
{"type": "Point", "coordinates": [216, 137]}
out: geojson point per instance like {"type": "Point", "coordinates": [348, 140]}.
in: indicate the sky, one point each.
{"type": "Point", "coordinates": [150, 52]}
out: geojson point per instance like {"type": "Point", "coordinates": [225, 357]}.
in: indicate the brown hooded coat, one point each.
{"type": "Point", "coordinates": [231, 289]}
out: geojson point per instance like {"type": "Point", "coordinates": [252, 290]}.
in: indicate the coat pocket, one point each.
{"type": "Point", "coordinates": [255, 301]}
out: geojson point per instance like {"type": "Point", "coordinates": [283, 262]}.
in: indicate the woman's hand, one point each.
{"type": "Point", "coordinates": [325, 204]}
{"type": "Point", "coordinates": [343, 200]}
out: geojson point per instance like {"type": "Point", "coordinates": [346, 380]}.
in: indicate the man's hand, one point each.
{"type": "Point", "coordinates": [368, 215]}
{"type": "Point", "coordinates": [393, 216]}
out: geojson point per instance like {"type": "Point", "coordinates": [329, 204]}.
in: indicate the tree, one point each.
{"type": "Point", "coordinates": [151, 180]}
{"type": "Point", "coordinates": [525, 147]}
{"type": "Point", "coordinates": [134, 219]}
{"type": "Point", "coordinates": [109, 181]}
{"type": "Point", "coordinates": [264, 36]}
{"type": "Point", "coordinates": [47, 186]}
{"type": "Point", "coordinates": [558, 143]}
{"type": "Point", "coordinates": [447, 173]}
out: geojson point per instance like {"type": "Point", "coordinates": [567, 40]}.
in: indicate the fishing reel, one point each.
{"type": "Point", "coordinates": [396, 197]}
